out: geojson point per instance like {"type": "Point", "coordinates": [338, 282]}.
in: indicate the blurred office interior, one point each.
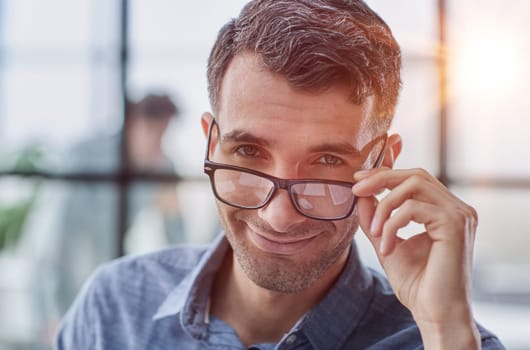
{"type": "Point", "coordinates": [67, 69]}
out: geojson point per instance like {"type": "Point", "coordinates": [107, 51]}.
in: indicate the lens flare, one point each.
{"type": "Point", "coordinates": [485, 67]}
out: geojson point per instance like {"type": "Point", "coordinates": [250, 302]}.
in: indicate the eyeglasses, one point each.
{"type": "Point", "coordinates": [250, 189]}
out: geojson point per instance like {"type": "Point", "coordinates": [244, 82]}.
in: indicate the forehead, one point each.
{"type": "Point", "coordinates": [253, 97]}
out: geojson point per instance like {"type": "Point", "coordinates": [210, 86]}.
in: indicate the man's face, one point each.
{"type": "Point", "coordinates": [267, 126]}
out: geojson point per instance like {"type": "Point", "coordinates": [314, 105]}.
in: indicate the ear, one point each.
{"type": "Point", "coordinates": [392, 150]}
{"type": "Point", "coordinates": [206, 119]}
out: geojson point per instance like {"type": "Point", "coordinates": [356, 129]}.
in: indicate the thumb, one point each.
{"type": "Point", "coordinates": [366, 209]}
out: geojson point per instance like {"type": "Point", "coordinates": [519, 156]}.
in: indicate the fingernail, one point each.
{"type": "Point", "coordinates": [373, 227]}
{"type": "Point", "coordinates": [357, 184]}
{"type": "Point", "coordinates": [361, 174]}
{"type": "Point", "coordinates": [383, 248]}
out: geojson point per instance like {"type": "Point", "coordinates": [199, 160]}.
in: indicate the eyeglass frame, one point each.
{"type": "Point", "coordinates": [286, 184]}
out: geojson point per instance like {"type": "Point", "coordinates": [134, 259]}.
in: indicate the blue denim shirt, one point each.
{"type": "Point", "coordinates": [161, 301]}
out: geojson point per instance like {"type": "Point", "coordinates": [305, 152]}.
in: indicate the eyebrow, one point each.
{"type": "Point", "coordinates": [238, 135]}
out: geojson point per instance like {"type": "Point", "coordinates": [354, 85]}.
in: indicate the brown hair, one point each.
{"type": "Point", "coordinates": [314, 44]}
{"type": "Point", "coordinates": [154, 106]}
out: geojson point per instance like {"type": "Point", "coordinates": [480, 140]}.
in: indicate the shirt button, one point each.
{"type": "Point", "coordinates": [290, 339]}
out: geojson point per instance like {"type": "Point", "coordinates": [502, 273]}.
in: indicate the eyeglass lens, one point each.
{"type": "Point", "coordinates": [242, 189]}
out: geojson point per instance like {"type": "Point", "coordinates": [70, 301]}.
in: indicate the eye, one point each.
{"type": "Point", "coordinates": [328, 159]}
{"type": "Point", "coordinates": [248, 151]}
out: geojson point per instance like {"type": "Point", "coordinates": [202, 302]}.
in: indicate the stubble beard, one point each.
{"type": "Point", "coordinates": [281, 274]}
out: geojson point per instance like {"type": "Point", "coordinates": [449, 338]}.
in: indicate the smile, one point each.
{"type": "Point", "coordinates": [285, 247]}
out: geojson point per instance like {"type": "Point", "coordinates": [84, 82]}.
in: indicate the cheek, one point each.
{"type": "Point", "coordinates": [222, 212]}
{"type": "Point", "coordinates": [345, 229]}
{"type": "Point", "coordinates": [227, 216]}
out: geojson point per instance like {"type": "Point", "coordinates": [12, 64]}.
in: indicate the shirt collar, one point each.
{"type": "Point", "coordinates": [190, 297]}
{"type": "Point", "coordinates": [326, 326]}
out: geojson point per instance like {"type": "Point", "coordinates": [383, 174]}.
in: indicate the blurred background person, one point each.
{"type": "Point", "coordinates": [86, 228]}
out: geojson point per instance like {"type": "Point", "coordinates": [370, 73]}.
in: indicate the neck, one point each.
{"type": "Point", "coordinates": [259, 315]}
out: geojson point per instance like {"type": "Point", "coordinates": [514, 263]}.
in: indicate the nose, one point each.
{"type": "Point", "coordinates": [280, 213]}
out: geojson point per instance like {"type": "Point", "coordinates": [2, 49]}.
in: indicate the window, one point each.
{"type": "Point", "coordinates": [66, 70]}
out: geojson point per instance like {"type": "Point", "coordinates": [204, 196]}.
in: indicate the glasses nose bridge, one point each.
{"type": "Point", "coordinates": [283, 184]}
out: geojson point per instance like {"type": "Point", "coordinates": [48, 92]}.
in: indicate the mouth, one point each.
{"type": "Point", "coordinates": [279, 247]}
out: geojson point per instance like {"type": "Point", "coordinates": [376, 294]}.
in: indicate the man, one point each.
{"type": "Point", "coordinates": [84, 233]}
{"type": "Point", "coordinates": [90, 241]}
{"type": "Point", "coordinates": [302, 92]}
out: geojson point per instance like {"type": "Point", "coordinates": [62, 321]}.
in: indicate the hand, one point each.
{"type": "Point", "coordinates": [430, 273]}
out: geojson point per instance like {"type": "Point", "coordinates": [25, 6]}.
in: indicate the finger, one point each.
{"type": "Point", "coordinates": [384, 178]}
{"type": "Point", "coordinates": [361, 174]}
{"type": "Point", "coordinates": [411, 210]}
{"type": "Point", "coordinates": [407, 254]}
{"type": "Point", "coordinates": [365, 209]}
{"type": "Point", "coordinates": [412, 188]}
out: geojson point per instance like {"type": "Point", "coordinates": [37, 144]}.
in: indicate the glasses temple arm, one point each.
{"type": "Point", "coordinates": [381, 155]}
